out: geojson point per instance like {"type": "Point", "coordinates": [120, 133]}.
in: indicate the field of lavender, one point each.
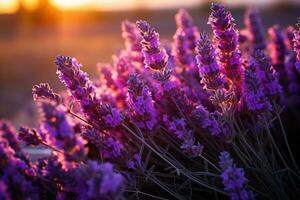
{"type": "Point", "coordinates": [199, 118]}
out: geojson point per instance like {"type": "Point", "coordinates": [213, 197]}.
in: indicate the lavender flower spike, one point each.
{"type": "Point", "coordinates": [132, 37]}
{"type": "Point", "coordinates": [253, 91]}
{"type": "Point", "coordinates": [98, 181]}
{"type": "Point", "coordinates": [209, 70]}
{"type": "Point", "coordinates": [141, 103]}
{"type": "Point", "coordinates": [256, 30]}
{"type": "Point", "coordinates": [226, 41]}
{"type": "Point", "coordinates": [184, 47]}
{"type": "Point", "coordinates": [267, 74]}
{"type": "Point", "coordinates": [297, 45]}
{"type": "Point", "coordinates": [278, 50]}
{"type": "Point", "coordinates": [43, 91]}
{"type": "Point", "coordinates": [233, 178]}
{"type": "Point", "coordinates": [8, 132]}
{"type": "Point", "coordinates": [99, 115]}
{"type": "Point", "coordinates": [289, 36]}
{"type": "Point", "coordinates": [178, 127]}
{"type": "Point", "coordinates": [155, 56]}
{"type": "Point", "coordinates": [57, 131]}
{"type": "Point", "coordinates": [29, 136]}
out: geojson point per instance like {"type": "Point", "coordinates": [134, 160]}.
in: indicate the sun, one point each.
{"type": "Point", "coordinates": [72, 4]}
{"type": "Point", "coordinates": [8, 6]}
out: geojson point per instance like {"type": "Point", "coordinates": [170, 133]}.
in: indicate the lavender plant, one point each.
{"type": "Point", "coordinates": [146, 130]}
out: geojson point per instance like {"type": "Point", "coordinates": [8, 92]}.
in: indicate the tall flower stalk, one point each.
{"type": "Point", "coordinates": [185, 38]}
{"type": "Point", "coordinates": [255, 29]}
{"type": "Point", "coordinates": [156, 57]}
{"type": "Point", "coordinates": [297, 45]}
{"type": "Point", "coordinates": [226, 43]}
{"type": "Point", "coordinates": [278, 51]}
{"type": "Point", "coordinates": [83, 90]}
{"type": "Point", "coordinates": [209, 70]}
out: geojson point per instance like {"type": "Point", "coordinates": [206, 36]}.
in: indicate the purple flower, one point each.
{"type": "Point", "coordinates": [278, 51]}
{"type": "Point", "coordinates": [123, 69]}
{"type": "Point", "coordinates": [209, 70]}
{"type": "Point", "coordinates": [135, 162]}
{"type": "Point", "coordinates": [155, 56]}
{"type": "Point", "coordinates": [132, 37]}
{"type": "Point", "coordinates": [106, 146]}
{"type": "Point", "coordinates": [253, 90]}
{"type": "Point", "coordinates": [184, 47]}
{"type": "Point", "coordinates": [15, 174]}
{"type": "Point", "coordinates": [267, 75]}
{"type": "Point", "coordinates": [141, 104]}
{"type": "Point", "coordinates": [83, 90]}
{"type": "Point", "coordinates": [289, 36]}
{"type": "Point", "coordinates": [293, 77]}
{"type": "Point", "coordinates": [58, 132]}
{"type": "Point", "coordinates": [3, 191]}
{"type": "Point", "coordinates": [8, 132]}
{"type": "Point", "coordinates": [233, 178]}
{"type": "Point", "coordinates": [297, 45]}
{"type": "Point", "coordinates": [111, 148]}
{"type": "Point", "coordinates": [114, 118]}
{"type": "Point", "coordinates": [179, 127]}
{"type": "Point", "coordinates": [98, 181]}
{"type": "Point", "coordinates": [111, 182]}
{"type": "Point", "coordinates": [43, 91]}
{"type": "Point", "coordinates": [226, 41]}
{"type": "Point", "coordinates": [6, 152]}
{"type": "Point", "coordinates": [29, 136]}
{"type": "Point", "coordinates": [207, 120]}
{"type": "Point", "coordinates": [255, 29]}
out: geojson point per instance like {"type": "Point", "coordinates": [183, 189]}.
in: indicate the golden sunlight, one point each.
{"type": "Point", "coordinates": [9, 6]}
{"type": "Point", "coordinates": [72, 4]}
{"type": "Point", "coordinates": [30, 4]}
{"type": "Point", "coordinates": [95, 4]}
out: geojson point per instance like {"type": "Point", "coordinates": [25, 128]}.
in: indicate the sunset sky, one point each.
{"type": "Point", "coordinates": [11, 6]}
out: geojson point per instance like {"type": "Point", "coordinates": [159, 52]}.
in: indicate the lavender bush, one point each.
{"type": "Point", "coordinates": [198, 118]}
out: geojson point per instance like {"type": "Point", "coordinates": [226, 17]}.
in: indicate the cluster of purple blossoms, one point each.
{"type": "Point", "coordinates": [185, 135]}
{"type": "Point", "coordinates": [233, 178]}
{"type": "Point", "coordinates": [267, 75]}
{"type": "Point", "coordinates": [83, 90]}
{"type": "Point", "coordinates": [253, 91]}
{"type": "Point", "coordinates": [208, 120]}
{"type": "Point", "coordinates": [278, 51]}
{"type": "Point", "coordinates": [57, 132]}
{"type": "Point", "coordinates": [185, 39]}
{"type": "Point", "coordinates": [155, 56]}
{"type": "Point", "coordinates": [226, 43]}
{"type": "Point", "coordinates": [29, 136]}
{"type": "Point", "coordinates": [211, 76]}
{"type": "Point", "coordinates": [98, 181]}
{"type": "Point", "coordinates": [15, 174]}
{"type": "Point", "coordinates": [292, 77]}
{"type": "Point", "coordinates": [144, 130]}
{"type": "Point", "coordinates": [135, 162]}
{"type": "Point", "coordinates": [297, 45]}
{"type": "Point", "coordinates": [8, 132]}
{"type": "Point", "coordinates": [255, 30]}
{"type": "Point", "coordinates": [140, 101]}
{"type": "Point", "coordinates": [289, 36]}
{"type": "Point", "coordinates": [132, 37]}
{"type": "Point", "coordinates": [43, 91]}
{"type": "Point", "coordinates": [104, 146]}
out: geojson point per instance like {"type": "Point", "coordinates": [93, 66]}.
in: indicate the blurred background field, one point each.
{"type": "Point", "coordinates": [33, 32]}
